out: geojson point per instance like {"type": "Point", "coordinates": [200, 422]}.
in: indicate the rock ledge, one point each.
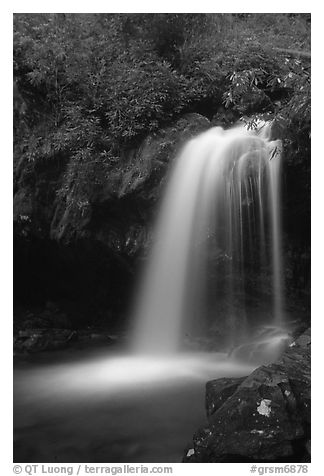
{"type": "Point", "coordinates": [264, 417]}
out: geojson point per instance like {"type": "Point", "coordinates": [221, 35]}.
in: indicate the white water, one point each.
{"type": "Point", "coordinates": [223, 200]}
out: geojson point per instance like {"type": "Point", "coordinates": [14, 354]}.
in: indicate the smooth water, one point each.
{"type": "Point", "coordinates": [223, 200]}
{"type": "Point", "coordinates": [112, 407]}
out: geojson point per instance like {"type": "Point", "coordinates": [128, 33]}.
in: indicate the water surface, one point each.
{"type": "Point", "coordinates": [105, 406]}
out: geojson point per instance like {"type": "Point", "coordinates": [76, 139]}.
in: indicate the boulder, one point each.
{"type": "Point", "coordinates": [264, 417]}
{"type": "Point", "coordinates": [217, 391]}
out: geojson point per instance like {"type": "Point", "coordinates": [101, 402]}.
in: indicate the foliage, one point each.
{"type": "Point", "coordinates": [90, 86]}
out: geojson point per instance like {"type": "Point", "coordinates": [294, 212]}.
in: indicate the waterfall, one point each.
{"type": "Point", "coordinates": [219, 222]}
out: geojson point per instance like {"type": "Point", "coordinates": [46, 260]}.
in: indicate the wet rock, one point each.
{"type": "Point", "coordinates": [264, 347]}
{"type": "Point", "coordinates": [86, 254]}
{"type": "Point", "coordinates": [36, 340]}
{"type": "Point", "coordinates": [217, 391]}
{"type": "Point", "coordinates": [100, 337]}
{"type": "Point", "coordinates": [263, 417]}
{"type": "Point", "coordinates": [50, 317]}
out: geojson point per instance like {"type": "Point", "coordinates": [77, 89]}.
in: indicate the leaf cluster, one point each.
{"type": "Point", "coordinates": [90, 86]}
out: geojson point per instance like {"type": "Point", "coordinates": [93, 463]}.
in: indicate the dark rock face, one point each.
{"type": "Point", "coordinates": [87, 260]}
{"type": "Point", "coordinates": [123, 209]}
{"type": "Point", "coordinates": [263, 417]}
{"type": "Point", "coordinates": [118, 202]}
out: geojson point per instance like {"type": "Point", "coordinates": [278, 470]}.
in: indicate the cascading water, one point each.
{"type": "Point", "coordinates": [220, 216]}
{"type": "Point", "coordinates": [219, 225]}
